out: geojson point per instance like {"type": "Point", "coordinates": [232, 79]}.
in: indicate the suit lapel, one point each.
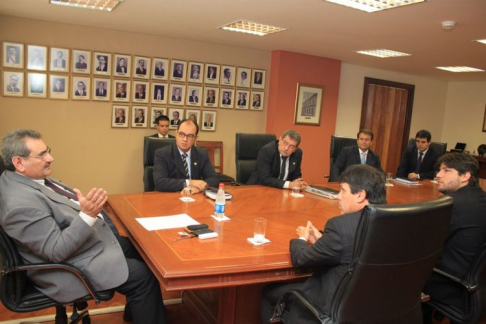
{"type": "Point", "coordinates": [177, 158]}
{"type": "Point", "coordinates": [356, 155]}
{"type": "Point", "coordinates": [194, 162]}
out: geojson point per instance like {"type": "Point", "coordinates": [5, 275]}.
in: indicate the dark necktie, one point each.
{"type": "Point", "coordinates": [282, 168]}
{"type": "Point", "coordinates": [184, 160]}
{"type": "Point", "coordinates": [59, 190]}
{"type": "Point", "coordinates": [419, 162]}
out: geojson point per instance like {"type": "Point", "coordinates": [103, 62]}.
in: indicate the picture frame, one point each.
{"type": "Point", "coordinates": [208, 123]}
{"type": "Point", "coordinates": [36, 57]}
{"type": "Point", "coordinates": [242, 99]}
{"type": "Point", "coordinates": [227, 98]}
{"type": "Point", "coordinates": [36, 85]}
{"type": "Point", "coordinates": [258, 79]}
{"type": "Point", "coordinates": [59, 59]}
{"type": "Point", "coordinates": [194, 115]}
{"type": "Point", "coordinates": [484, 120]}
{"type": "Point", "coordinates": [160, 69]}
{"type": "Point", "coordinates": [13, 55]}
{"type": "Point", "coordinates": [178, 70]}
{"type": "Point", "coordinates": [156, 112]}
{"type": "Point", "coordinates": [13, 84]}
{"type": "Point", "coordinates": [141, 67]}
{"type": "Point", "coordinates": [211, 73]}
{"type": "Point", "coordinates": [58, 87]}
{"type": "Point", "coordinates": [308, 104]}
{"type": "Point", "coordinates": [121, 90]}
{"type": "Point", "coordinates": [159, 93]}
{"type": "Point", "coordinates": [122, 64]}
{"type": "Point", "coordinates": [227, 75]}
{"type": "Point", "coordinates": [195, 72]}
{"type": "Point", "coordinates": [80, 88]}
{"type": "Point", "coordinates": [177, 94]}
{"type": "Point", "coordinates": [81, 61]}
{"type": "Point", "coordinates": [101, 63]}
{"type": "Point", "coordinates": [140, 91]}
{"type": "Point", "coordinates": [257, 100]}
{"type": "Point", "coordinates": [120, 116]}
{"type": "Point", "coordinates": [139, 117]}
{"type": "Point", "coordinates": [211, 97]}
{"type": "Point", "coordinates": [194, 95]}
{"type": "Point", "coordinates": [101, 89]}
{"type": "Point", "coordinates": [243, 77]}
{"type": "Point", "coordinates": [175, 115]}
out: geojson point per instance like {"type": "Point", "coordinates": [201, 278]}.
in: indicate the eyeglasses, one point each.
{"type": "Point", "coordinates": [184, 135]}
{"type": "Point", "coordinates": [290, 146]}
{"type": "Point", "coordinates": [41, 155]}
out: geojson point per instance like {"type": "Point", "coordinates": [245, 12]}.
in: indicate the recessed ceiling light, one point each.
{"type": "Point", "coordinates": [374, 5]}
{"type": "Point", "coordinates": [107, 5]}
{"type": "Point", "coordinates": [459, 69]}
{"type": "Point", "coordinates": [251, 27]}
{"type": "Point", "coordinates": [483, 41]}
{"type": "Point", "coordinates": [383, 53]}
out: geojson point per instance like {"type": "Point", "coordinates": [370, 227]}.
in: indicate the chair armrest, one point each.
{"type": "Point", "coordinates": [280, 307]}
{"type": "Point", "coordinates": [469, 286]}
{"type": "Point", "coordinates": [236, 183]}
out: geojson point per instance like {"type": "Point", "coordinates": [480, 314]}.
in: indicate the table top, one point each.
{"type": "Point", "coordinates": [230, 259]}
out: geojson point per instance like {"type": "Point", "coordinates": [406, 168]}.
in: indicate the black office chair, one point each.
{"type": "Point", "coordinates": [150, 144]}
{"type": "Point", "coordinates": [395, 249]}
{"type": "Point", "coordinates": [337, 143]}
{"type": "Point", "coordinates": [439, 147]}
{"type": "Point", "coordinates": [247, 148]}
{"type": "Point", "coordinates": [470, 292]}
{"type": "Point", "coordinates": [19, 295]}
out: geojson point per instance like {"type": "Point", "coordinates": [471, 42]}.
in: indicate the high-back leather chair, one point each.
{"type": "Point", "coordinates": [19, 295]}
{"type": "Point", "coordinates": [150, 144]}
{"type": "Point", "coordinates": [395, 249]}
{"type": "Point", "coordinates": [439, 147]}
{"type": "Point", "coordinates": [337, 143]}
{"type": "Point", "coordinates": [212, 147]}
{"type": "Point", "coordinates": [247, 148]}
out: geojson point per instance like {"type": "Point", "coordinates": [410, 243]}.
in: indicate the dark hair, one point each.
{"type": "Point", "coordinates": [161, 117]}
{"type": "Point", "coordinates": [423, 134]}
{"type": "Point", "coordinates": [462, 163]}
{"type": "Point", "coordinates": [189, 121]}
{"type": "Point", "coordinates": [365, 131]}
{"type": "Point", "coordinates": [294, 135]}
{"type": "Point", "coordinates": [14, 145]}
{"type": "Point", "coordinates": [364, 177]}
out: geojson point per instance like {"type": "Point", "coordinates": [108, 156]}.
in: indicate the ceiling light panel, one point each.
{"type": "Point", "coordinates": [374, 5]}
{"type": "Point", "coordinates": [383, 53]}
{"type": "Point", "coordinates": [459, 69]}
{"type": "Point", "coordinates": [251, 27]}
{"type": "Point", "coordinates": [106, 5]}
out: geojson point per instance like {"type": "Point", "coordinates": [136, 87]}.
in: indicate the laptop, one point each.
{"type": "Point", "coordinates": [459, 147]}
{"type": "Point", "coordinates": [323, 191]}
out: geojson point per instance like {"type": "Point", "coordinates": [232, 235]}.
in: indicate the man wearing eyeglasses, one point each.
{"type": "Point", "coordinates": [181, 165]}
{"type": "Point", "coordinates": [279, 163]}
{"type": "Point", "coordinates": [51, 222]}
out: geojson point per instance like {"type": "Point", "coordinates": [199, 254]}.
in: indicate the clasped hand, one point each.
{"type": "Point", "coordinates": [196, 186]}
{"type": "Point", "coordinates": [93, 202]}
{"type": "Point", "coordinates": [309, 232]}
{"type": "Point", "coordinates": [298, 183]}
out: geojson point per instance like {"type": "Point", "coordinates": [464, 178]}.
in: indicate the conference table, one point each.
{"type": "Point", "coordinates": [222, 277]}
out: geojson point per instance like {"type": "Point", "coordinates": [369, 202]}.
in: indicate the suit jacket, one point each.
{"type": "Point", "coordinates": [348, 156]}
{"type": "Point", "coordinates": [268, 166]}
{"type": "Point", "coordinates": [408, 163]}
{"type": "Point", "coordinates": [62, 61]}
{"type": "Point", "coordinates": [193, 99]}
{"type": "Point", "coordinates": [175, 122]}
{"type": "Point", "coordinates": [102, 68]}
{"type": "Point", "coordinates": [98, 93]}
{"type": "Point", "coordinates": [227, 102]}
{"type": "Point", "coordinates": [242, 102]}
{"type": "Point", "coordinates": [176, 98]}
{"type": "Point", "coordinates": [141, 71]}
{"type": "Point", "coordinates": [119, 120]}
{"type": "Point", "coordinates": [80, 93]}
{"type": "Point", "coordinates": [140, 95]}
{"type": "Point", "coordinates": [81, 65]}
{"type": "Point", "coordinates": [46, 227]}
{"type": "Point", "coordinates": [140, 120]}
{"type": "Point", "coordinates": [120, 70]}
{"type": "Point", "coordinates": [157, 135]}
{"type": "Point", "coordinates": [210, 100]}
{"type": "Point", "coordinates": [256, 104]}
{"type": "Point", "coordinates": [206, 124]}
{"type": "Point", "coordinates": [12, 89]}
{"type": "Point", "coordinates": [177, 74]}
{"type": "Point", "coordinates": [169, 172]}
{"type": "Point", "coordinates": [121, 95]}
{"type": "Point", "coordinates": [159, 72]}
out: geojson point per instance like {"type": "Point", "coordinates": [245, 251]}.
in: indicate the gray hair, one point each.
{"type": "Point", "coordinates": [14, 145]}
{"type": "Point", "coordinates": [294, 135]}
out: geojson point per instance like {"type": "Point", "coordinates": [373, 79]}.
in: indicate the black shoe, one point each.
{"type": "Point", "coordinates": [127, 314]}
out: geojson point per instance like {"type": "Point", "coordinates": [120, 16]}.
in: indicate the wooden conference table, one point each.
{"type": "Point", "coordinates": [223, 276]}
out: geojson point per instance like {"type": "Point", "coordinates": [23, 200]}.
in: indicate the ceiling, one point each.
{"type": "Point", "coordinates": [315, 27]}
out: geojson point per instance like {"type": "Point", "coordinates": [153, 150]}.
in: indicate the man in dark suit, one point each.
{"type": "Point", "coordinates": [241, 99]}
{"type": "Point", "coordinates": [360, 154]}
{"type": "Point", "coordinates": [226, 98]}
{"type": "Point", "coordinates": [418, 160]}
{"type": "Point", "coordinates": [13, 85]}
{"type": "Point", "coordinates": [139, 116]}
{"type": "Point", "coordinates": [141, 69]}
{"type": "Point", "coordinates": [162, 125]}
{"type": "Point", "coordinates": [140, 94]}
{"type": "Point", "coordinates": [101, 90]}
{"type": "Point", "coordinates": [102, 67]}
{"type": "Point", "coordinates": [211, 73]}
{"type": "Point", "coordinates": [208, 122]}
{"type": "Point", "coordinates": [279, 163]}
{"type": "Point", "coordinates": [51, 222]}
{"type": "Point", "coordinates": [81, 90]}
{"type": "Point", "coordinates": [330, 253]}
{"type": "Point", "coordinates": [458, 178]}
{"type": "Point", "coordinates": [193, 98]}
{"type": "Point", "coordinates": [58, 86]}
{"type": "Point", "coordinates": [120, 90]}
{"type": "Point", "coordinates": [81, 64]}
{"type": "Point", "coordinates": [182, 165]}
{"type": "Point", "coordinates": [175, 118]}
{"type": "Point", "coordinates": [59, 62]}
{"type": "Point", "coordinates": [121, 67]}
{"type": "Point", "coordinates": [211, 97]}
{"type": "Point", "coordinates": [177, 71]}
{"type": "Point", "coordinates": [159, 69]}
{"type": "Point", "coordinates": [120, 116]}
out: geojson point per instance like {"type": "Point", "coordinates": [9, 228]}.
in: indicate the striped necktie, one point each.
{"type": "Point", "coordinates": [363, 158]}
{"type": "Point", "coordinates": [184, 160]}
{"type": "Point", "coordinates": [59, 190]}
{"type": "Point", "coordinates": [282, 168]}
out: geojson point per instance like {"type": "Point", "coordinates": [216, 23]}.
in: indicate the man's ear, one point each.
{"type": "Point", "coordinates": [18, 163]}
{"type": "Point", "coordinates": [361, 196]}
{"type": "Point", "coordinates": [465, 177]}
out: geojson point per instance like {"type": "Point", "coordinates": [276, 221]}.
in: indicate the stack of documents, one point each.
{"type": "Point", "coordinates": [323, 191]}
{"type": "Point", "coordinates": [408, 182]}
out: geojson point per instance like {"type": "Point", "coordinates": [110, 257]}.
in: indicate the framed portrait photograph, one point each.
{"type": "Point", "coordinates": [159, 93]}
{"type": "Point", "coordinates": [211, 96]}
{"type": "Point", "coordinates": [227, 98]}
{"type": "Point", "coordinates": [59, 59]}
{"type": "Point", "coordinates": [58, 87]}
{"type": "Point", "coordinates": [194, 95]}
{"type": "Point", "coordinates": [121, 90]}
{"type": "Point", "coordinates": [175, 115]}
{"type": "Point", "coordinates": [156, 112]}
{"type": "Point", "coordinates": [178, 70]}
{"type": "Point", "coordinates": [160, 69]}
{"type": "Point", "coordinates": [13, 55]}
{"type": "Point", "coordinates": [242, 99]}
{"type": "Point", "coordinates": [195, 72]}
{"type": "Point", "coordinates": [81, 62]}
{"type": "Point", "coordinates": [243, 77]}
{"type": "Point", "coordinates": [227, 75]}
{"type": "Point", "coordinates": [484, 121]}
{"type": "Point", "coordinates": [80, 89]}
{"type": "Point", "coordinates": [121, 65]}
{"type": "Point", "coordinates": [194, 115]}
{"type": "Point", "coordinates": [211, 73]}
{"type": "Point", "coordinates": [13, 84]}
{"type": "Point", "coordinates": [101, 89]}
{"type": "Point", "coordinates": [257, 100]}
{"type": "Point", "coordinates": [209, 121]}
{"type": "Point", "coordinates": [258, 79]}
{"type": "Point", "coordinates": [139, 116]}
{"type": "Point", "coordinates": [141, 67]}
{"type": "Point", "coordinates": [308, 104]}
{"type": "Point", "coordinates": [101, 63]}
{"type": "Point", "coordinates": [140, 91]}
{"type": "Point", "coordinates": [119, 117]}
{"type": "Point", "coordinates": [177, 93]}
{"type": "Point", "coordinates": [36, 57]}
{"type": "Point", "coordinates": [37, 85]}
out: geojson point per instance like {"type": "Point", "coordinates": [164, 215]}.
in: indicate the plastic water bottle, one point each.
{"type": "Point", "coordinates": [220, 202]}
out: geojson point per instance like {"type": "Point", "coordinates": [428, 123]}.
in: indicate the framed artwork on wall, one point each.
{"type": "Point", "coordinates": [59, 59]}
{"type": "Point", "coordinates": [13, 84]}
{"type": "Point", "coordinates": [13, 55]}
{"type": "Point", "coordinates": [80, 89]}
{"type": "Point", "coordinates": [36, 57]}
{"type": "Point", "coordinates": [120, 117]}
{"type": "Point", "coordinates": [194, 115]}
{"type": "Point", "coordinates": [37, 85]}
{"type": "Point", "coordinates": [211, 73]}
{"type": "Point", "coordinates": [156, 112]}
{"type": "Point", "coordinates": [159, 93]}
{"type": "Point", "coordinates": [211, 96]}
{"type": "Point", "coordinates": [257, 100]}
{"type": "Point", "coordinates": [175, 115]}
{"type": "Point", "coordinates": [258, 79]}
{"type": "Point", "coordinates": [209, 121]}
{"type": "Point", "coordinates": [179, 70]}
{"type": "Point", "coordinates": [102, 63]}
{"type": "Point", "coordinates": [177, 94]}
{"type": "Point", "coordinates": [196, 72]}
{"type": "Point", "coordinates": [122, 65]}
{"type": "Point", "coordinates": [160, 69]}
{"type": "Point", "coordinates": [141, 67]}
{"type": "Point", "coordinates": [58, 86]}
{"type": "Point", "coordinates": [194, 95]}
{"type": "Point", "coordinates": [227, 98]}
{"type": "Point", "coordinates": [141, 91]}
{"type": "Point", "coordinates": [243, 77]}
{"type": "Point", "coordinates": [227, 75]}
{"type": "Point", "coordinates": [121, 90]}
{"type": "Point", "coordinates": [101, 89]}
{"type": "Point", "coordinates": [139, 116]}
{"type": "Point", "coordinates": [81, 62]}
{"type": "Point", "coordinates": [308, 104]}
{"type": "Point", "coordinates": [242, 98]}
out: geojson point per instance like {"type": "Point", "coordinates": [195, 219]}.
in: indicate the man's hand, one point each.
{"type": "Point", "coordinates": [314, 233]}
{"type": "Point", "coordinates": [298, 183]}
{"type": "Point", "coordinates": [413, 176]}
{"type": "Point", "coordinates": [198, 185]}
{"type": "Point", "coordinates": [93, 202]}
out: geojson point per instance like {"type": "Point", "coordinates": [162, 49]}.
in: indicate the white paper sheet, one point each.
{"type": "Point", "coordinates": [166, 222]}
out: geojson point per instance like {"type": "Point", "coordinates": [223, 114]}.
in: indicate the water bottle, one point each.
{"type": "Point", "coordinates": [220, 202]}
